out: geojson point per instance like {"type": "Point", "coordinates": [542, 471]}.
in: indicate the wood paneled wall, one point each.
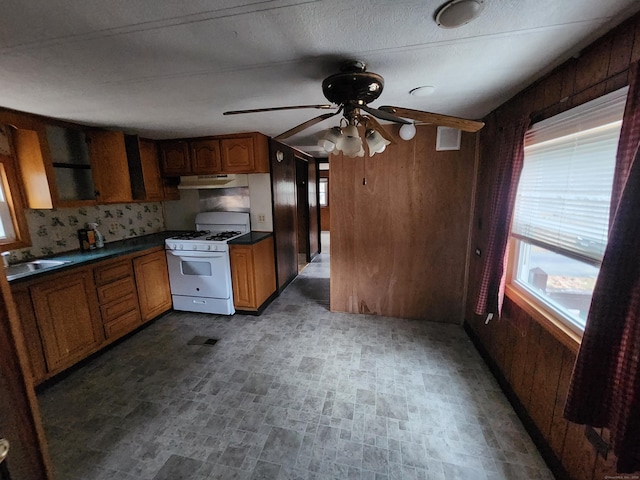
{"type": "Point", "coordinates": [399, 243]}
{"type": "Point", "coordinates": [535, 367]}
{"type": "Point", "coordinates": [285, 209]}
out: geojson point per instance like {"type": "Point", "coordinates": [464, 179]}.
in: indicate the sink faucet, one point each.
{"type": "Point", "coordinates": [5, 258]}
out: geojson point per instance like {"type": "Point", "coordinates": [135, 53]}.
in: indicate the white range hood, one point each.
{"type": "Point", "coordinates": [193, 182]}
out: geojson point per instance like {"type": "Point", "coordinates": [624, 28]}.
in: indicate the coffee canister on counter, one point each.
{"type": "Point", "coordinates": [87, 239]}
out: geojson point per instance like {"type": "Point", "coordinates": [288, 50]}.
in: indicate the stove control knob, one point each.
{"type": "Point", "coordinates": [195, 247]}
{"type": "Point", "coordinates": [180, 247]}
{"type": "Point", "coordinates": [208, 247]}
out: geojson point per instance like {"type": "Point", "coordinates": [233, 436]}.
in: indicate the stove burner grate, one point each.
{"type": "Point", "coordinates": [221, 236]}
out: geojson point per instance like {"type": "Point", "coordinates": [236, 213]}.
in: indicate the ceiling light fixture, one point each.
{"type": "Point", "coordinates": [346, 138]}
{"type": "Point", "coordinates": [423, 91]}
{"type": "Point", "coordinates": [456, 13]}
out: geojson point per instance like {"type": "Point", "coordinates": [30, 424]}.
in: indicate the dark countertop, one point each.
{"type": "Point", "coordinates": [77, 258]}
{"type": "Point", "coordinates": [250, 238]}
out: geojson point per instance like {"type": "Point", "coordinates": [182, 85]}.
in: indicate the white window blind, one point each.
{"type": "Point", "coordinates": [565, 187]}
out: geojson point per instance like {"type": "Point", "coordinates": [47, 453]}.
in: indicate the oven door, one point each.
{"type": "Point", "coordinates": [199, 274]}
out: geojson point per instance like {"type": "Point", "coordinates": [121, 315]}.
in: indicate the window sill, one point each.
{"type": "Point", "coordinates": [545, 318]}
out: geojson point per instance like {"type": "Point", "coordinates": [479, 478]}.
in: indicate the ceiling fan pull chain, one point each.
{"type": "Point", "coordinates": [364, 170]}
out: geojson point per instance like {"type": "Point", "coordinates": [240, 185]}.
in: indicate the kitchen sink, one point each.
{"type": "Point", "coordinates": [18, 269]}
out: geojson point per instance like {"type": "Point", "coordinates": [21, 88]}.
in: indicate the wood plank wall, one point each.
{"type": "Point", "coordinates": [399, 243]}
{"type": "Point", "coordinates": [285, 216]}
{"type": "Point", "coordinates": [535, 367]}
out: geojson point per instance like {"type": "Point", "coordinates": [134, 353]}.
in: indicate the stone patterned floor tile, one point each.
{"type": "Point", "coordinates": [298, 393]}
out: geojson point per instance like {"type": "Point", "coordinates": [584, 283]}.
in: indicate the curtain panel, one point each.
{"type": "Point", "coordinates": [605, 385]}
{"type": "Point", "coordinates": [508, 151]}
{"type": "Point", "coordinates": [629, 139]}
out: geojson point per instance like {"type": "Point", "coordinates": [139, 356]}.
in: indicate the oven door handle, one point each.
{"type": "Point", "coordinates": [196, 254]}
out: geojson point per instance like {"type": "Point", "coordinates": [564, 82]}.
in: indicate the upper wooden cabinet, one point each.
{"type": "Point", "coordinates": [205, 157]}
{"type": "Point", "coordinates": [146, 182]}
{"type": "Point", "coordinates": [194, 157]}
{"type": "Point", "coordinates": [174, 158]}
{"type": "Point", "coordinates": [239, 153]}
{"type": "Point", "coordinates": [245, 153]}
{"type": "Point", "coordinates": [68, 167]}
{"type": "Point", "coordinates": [110, 167]}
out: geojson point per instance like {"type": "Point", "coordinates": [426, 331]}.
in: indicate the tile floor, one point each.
{"type": "Point", "coordinates": [297, 393]}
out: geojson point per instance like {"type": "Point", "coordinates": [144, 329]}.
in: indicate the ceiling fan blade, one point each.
{"type": "Point", "coordinates": [436, 118]}
{"type": "Point", "coordinates": [380, 129]}
{"type": "Point", "coordinates": [384, 115]}
{"type": "Point", "coordinates": [273, 109]}
{"type": "Point", "coordinates": [307, 124]}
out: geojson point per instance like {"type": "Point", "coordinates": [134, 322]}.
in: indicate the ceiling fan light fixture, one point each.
{"type": "Point", "coordinates": [330, 139]}
{"type": "Point", "coordinates": [375, 142]}
{"type": "Point", "coordinates": [350, 142]}
{"type": "Point", "coordinates": [456, 13]}
{"type": "Point", "coordinates": [407, 131]}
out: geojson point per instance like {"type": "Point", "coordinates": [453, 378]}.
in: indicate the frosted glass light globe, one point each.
{"type": "Point", "coordinates": [407, 131]}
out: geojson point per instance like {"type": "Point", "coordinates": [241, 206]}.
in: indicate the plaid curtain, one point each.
{"type": "Point", "coordinates": [629, 138]}
{"type": "Point", "coordinates": [605, 386]}
{"type": "Point", "coordinates": [508, 150]}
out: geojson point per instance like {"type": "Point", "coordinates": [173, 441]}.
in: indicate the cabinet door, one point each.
{"type": "Point", "coordinates": [205, 157]}
{"type": "Point", "coordinates": [67, 316]}
{"type": "Point", "coordinates": [174, 159]}
{"type": "Point", "coordinates": [242, 277]}
{"type": "Point", "coordinates": [237, 155]}
{"type": "Point", "coordinates": [110, 167]}
{"type": "Point", "coordinates": [152, 282]}
{"type": "Point", "coordinates": [150, 170]}
{"type": "Point", "coordinates": [22, 300]}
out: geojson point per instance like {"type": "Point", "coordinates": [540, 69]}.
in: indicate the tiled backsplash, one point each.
{"type": "Point", "coordinates": [56, 231]}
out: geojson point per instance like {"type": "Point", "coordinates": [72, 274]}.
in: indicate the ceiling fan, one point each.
{"type": "Point", "coordinates": [350, 91]}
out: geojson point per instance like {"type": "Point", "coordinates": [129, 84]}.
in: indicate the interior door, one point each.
{"type": "Point", "coordinates": [302, 204]}
{"type": "Point", "coordinates": [20, 419]}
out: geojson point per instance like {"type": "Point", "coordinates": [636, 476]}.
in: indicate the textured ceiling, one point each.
{"type": "Point", "coordinates": [168, 68]}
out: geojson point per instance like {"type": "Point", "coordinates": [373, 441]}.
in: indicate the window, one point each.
{"type": "Point", "coordinates": [13, 226]}
{"type": "Point", "coordinates": [561, 216]}
{"type": "Point", "coordinates": [7, 232]}
{"type": "Point", "coordinates": [323, 191]}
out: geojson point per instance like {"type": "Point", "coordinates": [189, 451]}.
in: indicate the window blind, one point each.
{"type": "Point", "coordinates": [564, 192]}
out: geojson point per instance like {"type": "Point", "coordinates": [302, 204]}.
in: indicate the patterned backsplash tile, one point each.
{"type": "Point", "coordinates": [56, 231]}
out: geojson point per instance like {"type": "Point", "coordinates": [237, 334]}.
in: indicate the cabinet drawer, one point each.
{"type": "Point", "coordinates": [113, 310]}
{"type": "Point", "coordinates": [116, 290]}
{"type": "Point", "coordinates": [113, 271]}
{"type": "Point", "coordinates": [123, 324]}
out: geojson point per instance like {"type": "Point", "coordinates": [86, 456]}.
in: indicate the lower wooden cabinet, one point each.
{"type": "Point", "coordinates": [252, 274]}
{"type": "Point", "coordinates": [116, 288]}
{"type": "Point", "coordinates": [152, 282]}
{"type": "Point", "coordinates": [67, 316]}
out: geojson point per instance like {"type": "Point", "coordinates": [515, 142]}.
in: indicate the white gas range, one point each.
{"type": "Point", "coordinates": [199, 268]}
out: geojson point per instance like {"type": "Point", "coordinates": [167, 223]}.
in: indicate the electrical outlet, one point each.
{"type": "Point", "coordinates": [114, 227]}
{"type": "Point", "coordinates": [261, 218]}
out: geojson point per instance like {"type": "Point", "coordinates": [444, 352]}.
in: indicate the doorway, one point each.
{"type": "Point", "coordinates": [302, 212]}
